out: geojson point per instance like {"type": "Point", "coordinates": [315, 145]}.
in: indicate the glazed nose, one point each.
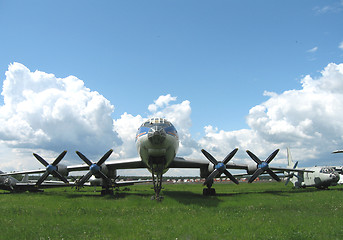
{"type": "Point", "coordinates": [335, 176]}
{"type": "Point", "coordinates": [156, 135]}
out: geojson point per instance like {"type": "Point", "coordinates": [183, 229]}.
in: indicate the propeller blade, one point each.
{"type": "Point", "coordinates": [272, 156]}
{"type": "Point", "coordinates": [253, 157]}
{"type": "Point", "coordinates": [105, 157]}
{"type": "Point", "coordinates": [42, 178]}
{"type": "Point", "coordinates": [60, 176]}
{"type": "Point", "coordinates": [50, 168]}
{"type": "Point", "coordinates": [209, 157]}
{"type": "Point", "coordinates": [232, 178]}
{"type": "Point", "coordinates": [104, 176]}
{"type": "Point", "coordinates": [287, 181]}
{"type": "Point", "coordinates": [41, 160]}
{"type": "Point", "coordinates": [59, 158]}
{"type": "Point", "coordinates": [211, 176]}
{"type": "Point", "coordinates": [255, 175]}
{"type": "Point", "coordinates": [295, 165]}
{"type": "Point", "coordinates": [230, 156]}
{"type": "Point", "coordinates": [273, 175]}
{"type": "Point", "coordinates": [298, 177]}
{"type": "Point", "coordinates": [220, 167]}
{"type": "Point", "coordinates": [94, 168]}
{"type": "Point", "coordinates": [85, 178]}
{"type": "Point", "coordinates": [83, 157]}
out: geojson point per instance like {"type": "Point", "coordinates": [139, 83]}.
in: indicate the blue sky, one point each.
{"type": "Point", "coordinates": [219, 55]}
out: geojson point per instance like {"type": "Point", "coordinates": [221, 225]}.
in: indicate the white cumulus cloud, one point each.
{"type": "Point", "coordinates": [308, 120]}
{"type": "Point", "coordinates": [45, 112]}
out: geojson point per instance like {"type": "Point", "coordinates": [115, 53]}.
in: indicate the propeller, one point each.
{"type": "Point", "coordinates": [220, 167]}
{"type": "Point", "coordinates": [50, 168]}
{"type": "Point", "coordinates": [94, 168]}
{"type": "Point", "coordinates": [263, 166]}
{"type": "Point", "coordinates": [290, 175]}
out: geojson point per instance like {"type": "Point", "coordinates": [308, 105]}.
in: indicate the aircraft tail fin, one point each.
{"type": "Point", "coordinates": [25, 178]}
{"type": "Point", "coordinates": [289, 158]}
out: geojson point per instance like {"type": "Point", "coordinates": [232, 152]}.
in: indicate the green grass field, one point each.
{"type": "Point", "coordinates": [247, 211]}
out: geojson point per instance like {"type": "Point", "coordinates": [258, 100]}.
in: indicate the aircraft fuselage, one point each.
{"type": "Point", "coordinates": [157, 143]}
{"type": "Point", "coordinates": [321, 177]}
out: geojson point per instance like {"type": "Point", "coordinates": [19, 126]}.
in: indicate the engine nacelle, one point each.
{"type": "Point", "coordinates": [206, 171]}
{"type": "Point", "coordinates": [95, 181]}
{"type": "Point", "coordinates": [103, 169]}
{"type": "Point", "coordinates": [62, 169]}
{"type": "Point", "coordinates": [251, 169]}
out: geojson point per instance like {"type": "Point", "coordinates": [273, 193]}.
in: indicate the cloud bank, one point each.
{"type": "Point", "coordinates": [50, 113]}
{"type": "Point", "coordinates": [44, 112]}
{"type": "Point", "coordinates": [308, 120]}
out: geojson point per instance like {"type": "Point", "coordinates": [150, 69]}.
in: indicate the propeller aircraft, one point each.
{"type": "Point", "coordinates": [157, 143]}
{"type": "Point", "coordinates": [319, 177]}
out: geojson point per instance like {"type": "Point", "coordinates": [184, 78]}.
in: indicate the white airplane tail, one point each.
{"type": "Point", "coordinates": [291, 164]}
{"type": "Point", "coordinates": [289, 158]}
{"type": "Point", "coordinates": [25, 178]}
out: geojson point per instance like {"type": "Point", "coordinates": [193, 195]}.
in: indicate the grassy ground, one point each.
{"type": "Point", "coordinates": [247, 211]}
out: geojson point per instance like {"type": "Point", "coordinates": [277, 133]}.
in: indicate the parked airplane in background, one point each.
{"type": "Point", "coordinates": [319, 177]}
{"type": "Point", "coordinates": [157, 143]}
{"type": "Point", "coordinates": [13, 185]}
{"type": "Point", "coordinates": [339, 169]}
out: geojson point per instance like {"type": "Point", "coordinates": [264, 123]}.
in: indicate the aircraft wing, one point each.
{"type": "Point", "coordinates": [24, 172]}
{"type": "Point", "coordinates": [180, 162]}
{"type": "Point", "coordinates": [279, 169]}
{"type": "Point", "coordinates": [134, 163]}
{"type": "Point", "coordinates": [130, 163]}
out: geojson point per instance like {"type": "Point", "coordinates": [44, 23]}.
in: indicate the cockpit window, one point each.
{"type": "Point", "coordinates": [157, 121]}
{"type": "Point", "coordinates": [327, 170]}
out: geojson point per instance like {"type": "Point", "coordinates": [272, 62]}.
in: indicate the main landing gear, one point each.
{"type": "Point", "coordinates": [106, 191]}
{"type": "Point", "coordinates": [209, 191]}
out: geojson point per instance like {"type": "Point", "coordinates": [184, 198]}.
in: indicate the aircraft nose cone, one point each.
{"type": "Point", "coordinates": [336, 177]}
{"type": "Point", "coordinates": [156, 135]}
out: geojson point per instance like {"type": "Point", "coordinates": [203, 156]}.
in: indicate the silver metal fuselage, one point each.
{"type": "Point", "coordinates": [157, 143]}
{"type": "Point", "coordinates": [321, 177]}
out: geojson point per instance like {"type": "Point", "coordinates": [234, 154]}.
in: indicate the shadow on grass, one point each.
{"type": "Point", "coordinates": [117, 194]}
{"type": "Point", "coordinates": [187, 198]}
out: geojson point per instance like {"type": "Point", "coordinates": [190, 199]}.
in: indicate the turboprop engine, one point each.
{"type": "Point", "coordinates": [217, 168]}
{"type": "Point", "coordinates": [251, 169]}
{"type": "Point", "coordinates": [55, 169]}
{"type": "Point", "coordinates": [98, 169]}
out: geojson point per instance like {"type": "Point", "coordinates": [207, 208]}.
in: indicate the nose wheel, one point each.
{"type": "Point", "coordinates": [157, 181]}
